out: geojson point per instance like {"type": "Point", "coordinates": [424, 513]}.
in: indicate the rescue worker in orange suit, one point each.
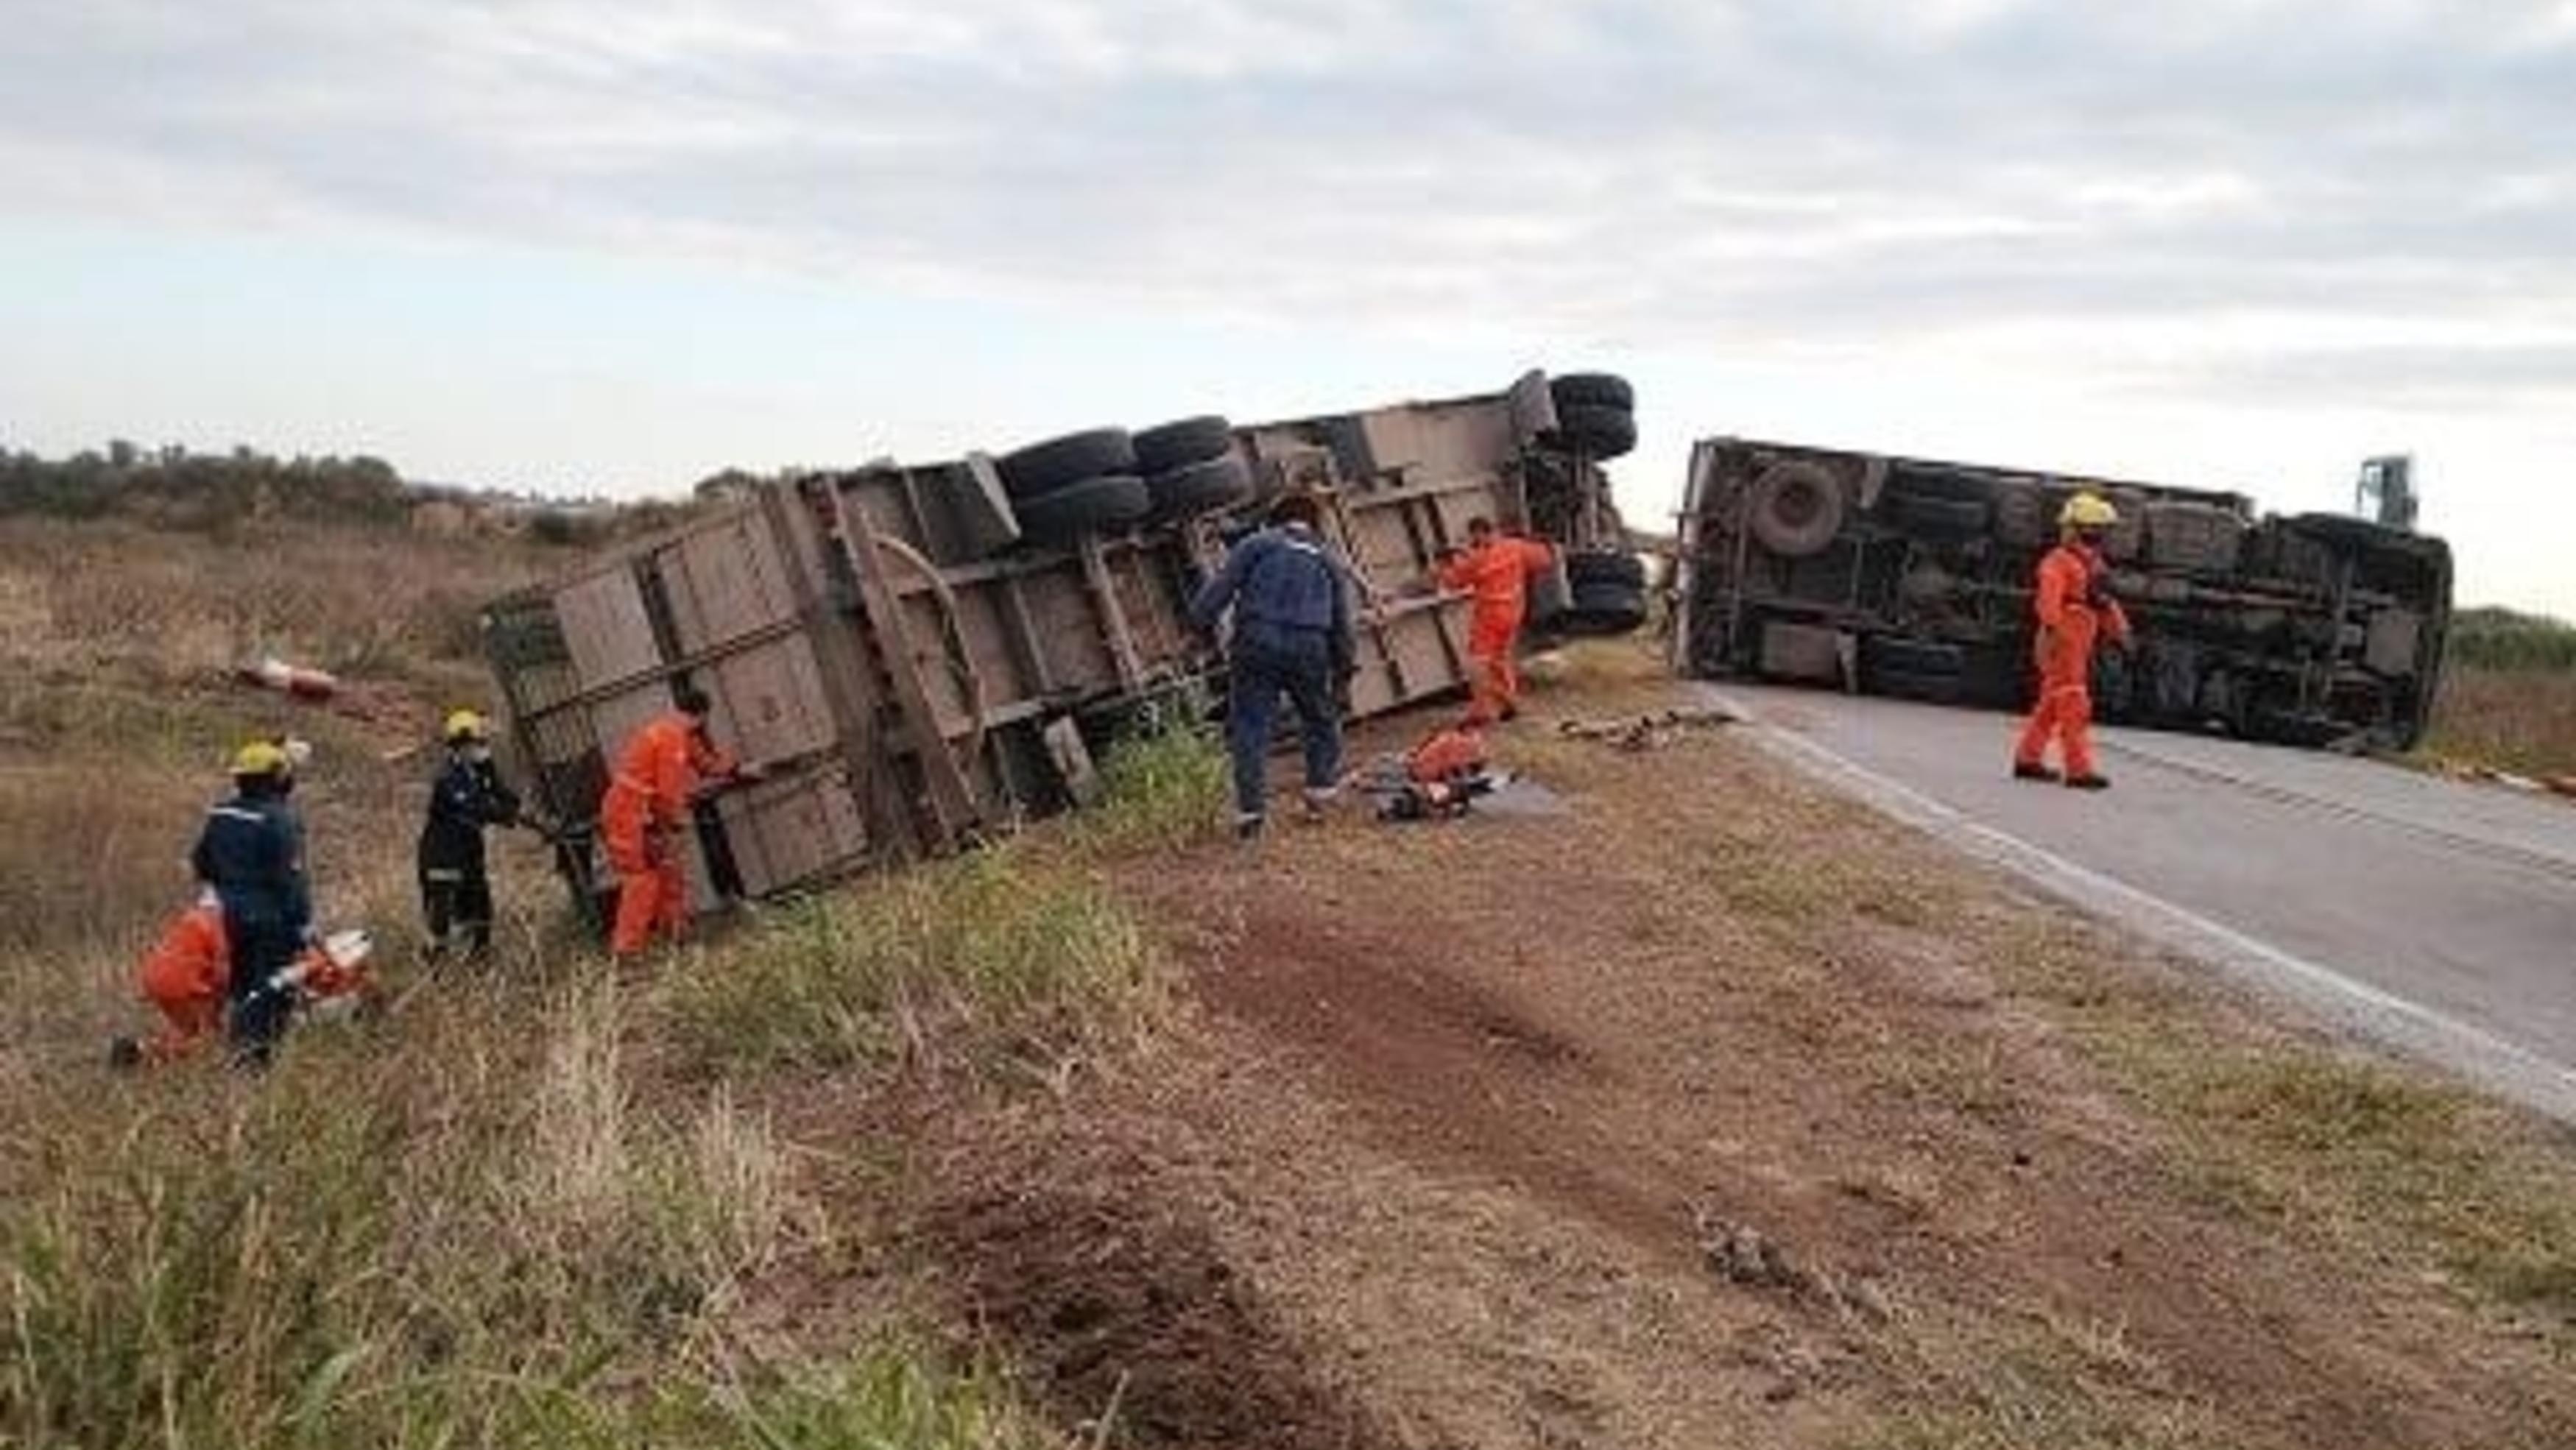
{"type": "Point", "coordinates": [660, 771]}
{"type": "Point", "coordinates": [185, 977]}
{"type": "Point", "coordinates": [2074, 608]}
{"type": "Point", "coordinates": [1494, 570]}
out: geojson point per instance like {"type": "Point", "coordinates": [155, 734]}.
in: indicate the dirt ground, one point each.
{"type": "Point", "coordinates": [1710, 1111]}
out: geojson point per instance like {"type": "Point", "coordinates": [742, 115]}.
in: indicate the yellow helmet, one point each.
{"type": "Point", "coordinates": [261, 757]}
{"type": "Point", "coordinates": [463, 725]}
{"type": "Point", "coordinates": [2088, 510]}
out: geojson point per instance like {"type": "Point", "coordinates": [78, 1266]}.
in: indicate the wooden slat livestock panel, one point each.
{"type": "Point", "coordinates": [916, 674]}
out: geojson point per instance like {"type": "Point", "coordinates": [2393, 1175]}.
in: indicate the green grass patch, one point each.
{"type": "Point", "coordinates": [891, 1397]}
{"type": "Point", "coordinates": [1161, 790]}
{"type": "Point", "coordinates": [2370, 1156]}
{"type": "Point", "coordinates": [994, 961]}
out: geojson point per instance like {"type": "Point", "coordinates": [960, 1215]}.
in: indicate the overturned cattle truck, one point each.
{"type": "Point", "coordinates": [1913, 578]}
{"type": "Point", "coordinates": [925, 655]}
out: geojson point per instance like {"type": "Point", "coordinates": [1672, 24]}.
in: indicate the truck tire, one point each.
{"type": "Point", "coordinates": [1795, 508]}
{"type": "Point", "coordinates": [1904, 685]}
{"type": "Point", "coordinates": [1947, 518]}
{"type": "Point", "coordinates": [1593, 390]}
{"type": "Point", "coordinates": [1171, 446]}
{"type": "Point", "coordinates": [1085, 506]}
{"type": "Point", "coordinates": [1604, 607]}
{"type": "Point", "coordinates": [1595, 430]}
{"type": "Point", "coordinates": [1198, 488]}
{"type": "Point", "coordinates": [1913, 656]}
{"type": "Point", "coordinates": [1042, 468]}
{"type": "Point", "coordinates": [1626, 571]}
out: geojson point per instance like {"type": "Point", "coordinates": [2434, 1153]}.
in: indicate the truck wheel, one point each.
{"type": "Point", "coordinates": [1596, 430]}
{"type": "Point", "coordinates": [1086, 506]}
{"type": "Point", "coordinates": [1949, 518]}
{"type": "Point", "coordinates": [1796, 508]}
{"type": "Point", "coordinates": [1601, 570]}
{"type": "Point", "coordinates": [1593, 390]}
{"type": "Point", "coordinates": [1605, 607]}
{"type": "Point", "coordinates": [1903, 685]}
{"type": "Point", "coordinates": [1178, 445]}
{"type": "Point", "coordinates": [1199, 488]}
{"type": "Point", "coordinates": [1886, 654]}
{"type": "Point", "coordinates": [1042, 468]}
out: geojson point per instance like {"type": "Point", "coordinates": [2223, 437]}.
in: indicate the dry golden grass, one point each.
{"type": "Point", "coordinates": [2523, 720]}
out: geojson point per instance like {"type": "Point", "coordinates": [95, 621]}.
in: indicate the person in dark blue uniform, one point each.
{"type": "Point", "coordinates": [1290, 594]}
{"type": "Point", "coordinates": [455, 880]}
{"type": "Point", "coordinates": [251, 853]}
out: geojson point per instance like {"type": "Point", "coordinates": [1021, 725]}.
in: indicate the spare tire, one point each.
{"type": "Point", "coordinates": [1795, 508]}
{"type": "Point", "coordinates": [1199, 488]}
{"type": "Point", "coordinates": [1593, 390]}
{"type": "Point", "coordinates": [1604, 607]}
{"type": "Point", "coordinates": [1595, 430]}
{"type": "Point", "coordinates": [1627, 571]}
{"type": "Point", "coordinates": [1178, 445]}
{"type": "Point", "coordinates": [1085, 506]}
{"type": "Point", "coordinates": [1949, 518]}
{"type": "Point", "coordinates": [1042, 468]}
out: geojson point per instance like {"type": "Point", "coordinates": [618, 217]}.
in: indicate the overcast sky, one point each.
{"type": "Point", "coordinates": [619, 245]}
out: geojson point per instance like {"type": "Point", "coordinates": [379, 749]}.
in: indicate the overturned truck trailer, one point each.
{"type": "Point", "coordinates": [1912, 577]}
{"type": "Point", "coordinates": [924, 655]}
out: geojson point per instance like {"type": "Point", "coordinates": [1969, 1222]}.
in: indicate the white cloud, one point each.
{"type": "Point", "coordinates": [2229, 200]}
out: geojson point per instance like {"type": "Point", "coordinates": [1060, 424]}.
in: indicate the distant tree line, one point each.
{"type": "Point", "coordinates": [2502, 639]}
{"type": "Point", "coordinates": [172, 487]}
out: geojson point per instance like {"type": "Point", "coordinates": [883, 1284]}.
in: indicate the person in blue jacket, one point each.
{"type": "Point", "coordinates": [1290, 596]}
{"type": "Point", "coordinates": [252, 853]}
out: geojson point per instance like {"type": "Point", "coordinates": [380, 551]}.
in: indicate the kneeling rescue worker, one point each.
{"type": "Point", "coordinates": [2074, 605]}
{"type": "Point", "coordinates": [455, 879]}
{"type": "Point", "coordinates": [184, 978]}
{"type": "Point", "coordinates": [251, 854]}
{"type": "Point", "coordinates": [659, 773]}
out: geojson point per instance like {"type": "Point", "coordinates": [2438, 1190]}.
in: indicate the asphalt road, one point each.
{"type": "Point", "coordinates": [2436, 916]}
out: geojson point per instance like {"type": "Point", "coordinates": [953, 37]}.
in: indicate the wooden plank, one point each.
{"type": "Point", "coordinates": [726, 582]}
{"type": "Point", "coordinates": [1112, 616]}
{"type": "Point", "coordinates": [845, 669]}
{"type": "Point", "coordinates": [952, 803]}
{"type": "Point", "coordinates": [606, 629]}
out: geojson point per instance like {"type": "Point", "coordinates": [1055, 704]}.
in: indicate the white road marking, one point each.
{"type": "Point", "coordinates": [2517, 1072]}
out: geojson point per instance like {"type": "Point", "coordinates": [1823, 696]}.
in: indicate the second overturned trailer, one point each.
{"type": "Point", "coordinates": [1912, 577]}
{"type": "Point", "coordinates": [923, 655]}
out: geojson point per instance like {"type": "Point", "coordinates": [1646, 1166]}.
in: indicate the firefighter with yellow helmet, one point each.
{"type": "Point", "coordinates": [250, 854]}
{"type": "Point", "coordinates": [2074, 607]}
{"type": "Point", "coordinates": [467, 797]}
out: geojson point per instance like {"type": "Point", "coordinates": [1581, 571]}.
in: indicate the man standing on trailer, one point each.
{"type": "Point", "coordinates": [651, 793]}
{"type": "Point", "coordinates": [2074, 605]}
{"type": "Point", "coordinates": [1292, 634]}
{"type": "Point", "coordinates": [1494, 570]}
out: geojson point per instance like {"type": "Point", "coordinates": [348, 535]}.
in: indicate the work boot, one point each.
{"type": "Point", "coordinates": [1317, 803]}
{"type": "Point", "coordinates": [124, 1054]}
{"type": "Point", "coordinates": [1247, 829]}
{"type": "Point", "coordinates": [2025, 770]}
{"type": "Point", "coordinates": [2088, 781]}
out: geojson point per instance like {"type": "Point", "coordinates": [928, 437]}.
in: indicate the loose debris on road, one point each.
{"type": "Point", "coordinates": [1655, 730]}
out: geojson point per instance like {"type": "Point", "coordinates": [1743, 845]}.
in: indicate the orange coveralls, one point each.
{"type": "Point", "coordinates": [186, 976]}
{"type": "Point", "coordinates": [1496, 575]}
{"type": "Point", "coordinates": [640, 819]}
{"type": "Point", "coordinates": [2069, 619]}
